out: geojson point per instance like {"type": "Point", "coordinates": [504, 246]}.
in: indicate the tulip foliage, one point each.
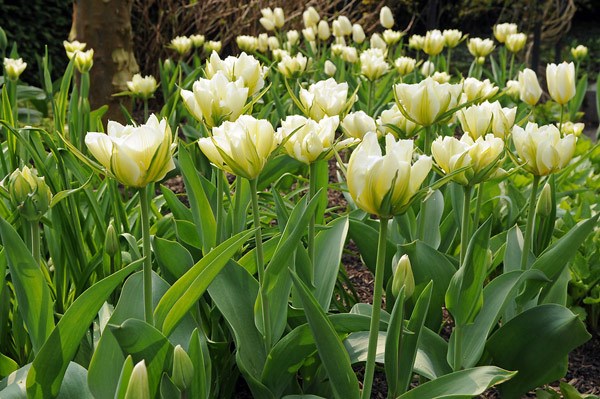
{"type": "Point", "coordinates": [187, 249]}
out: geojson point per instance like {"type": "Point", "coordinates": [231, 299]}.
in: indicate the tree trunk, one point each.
{"type": "Point", "coordinates": [105, 25]}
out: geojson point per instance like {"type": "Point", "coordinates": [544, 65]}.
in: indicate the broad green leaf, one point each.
{"type": "Point", "coordinates": [144, 342]}
{"type": "Point", "coordinates": [428, 264]}
{"type": "Point", "coordinates": [124, 378]}
{"type": "Point", "coordinates": [74, 384]}
{"type": "Point", "coordinates": [234, 292]}
{"type": "Point", "coordinates": [198, 352]}
{"type": "Point", "coordinates": [275, 168]}
{"type": "Point", "coordinates": [366, 238]}
{"type": "Point", "coordinates": [433, 209]}
{"type": "Point", "coordinates": [179, 210]}
{"type": "Point", "coordinates": [172, 257]}
{"type": "Point", "coordinates": [331, 350]}
{"type": "Point", "coordinates": [186, 291]}
{"type": "Point", "coordinates": [33, 295]}
{"type": "Point", "coordinates": [514, 249]}
{"type": "Point", "coordinates": [464, 297]}
{"type": "Point", "coordinates": [204, 219]}
{"type": "Point", "coordinates": [463, 383]}
{"type": "Point", "coordinates": [543, 335]}
{"type": "Point", "coordinates": [499, 293]}
{"type": "Point", "coordinates": [48, 368]}
{"type": "Point", "coordinates": [329, 245]}
{"type": "Point", "coordinates": [7, 365]}
{"type": "Point", "coordinates": [575, 104]}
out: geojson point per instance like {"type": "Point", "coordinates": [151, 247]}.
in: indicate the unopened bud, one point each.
{"type": "Point", "coordinates": [544, 204]}
{"type": "Point", "coordinates": [403, 277]}
{"type": "Point", "coordinates": [183, 368]}
{"type": "Point", "coordinates": [111, 241]}
{"type": "Point", "coordinates": [29, 194]}
{"type": "Point", "coordinates": [138, 387]}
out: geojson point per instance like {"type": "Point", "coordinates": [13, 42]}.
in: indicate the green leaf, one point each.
{"type": "Point", "coordinates": [7, 365]}
{"type": "Point", "coordinates": [543, 335]}
{"type": "Point", "coordinates": [331, 350]}
{"type": "Point", "coordinates": [198, 352]}
{"type": "Point", "coordinates": [48, 368]}
{"type": "Point", "coordinates": [366, 238]}
{"type": "Point", "coordinates": [434, 209]}
{"type": "Point", "coordinates": [124, 378]}
{"type": "Point", "coordinates": [33, 295]}
{"type": "Point", "coordinates": [144, 342]}
{"type": "Point", "coordinates": [329, 245]}
{"type": "Point", "coordinates": [464, 297]}
{"type": "Point", "coordinates": [74, 384]}
{"type": "Point", "coordinates": [186, 291]}
{"type": "Point", "coordinates": [393, 343]}
{"type": "Point", "coordinates": [464, 383]}
{"type": "Point", "coordinates": [575, 104]}
{"type": "Point", "coordinates": [172, 257]}
{"type": "Point", "coordinates": [204, 219]}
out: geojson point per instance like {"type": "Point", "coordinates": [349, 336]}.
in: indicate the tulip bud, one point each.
{"type": "Point", "coordinates": [349, 54]}
{"type": "Point", "coordinates": [358, 34]}
{"type": "Point", "coordinates": [530, 90]}
{"type": "Point", "coordinates": [386, 18]}
{"type": "Point", "coordinates": [273, 43]}
{"type": "Point", "coordinates": [378, 42]}
{"type": "Point", "coordinates": [263, 42]}
{"type": "Point", "coordinates": [29, 194]}
{"type": "Point", "coordinates": [391, 36]}
{"type": "Point", "coordinates": [428, 68]}
{"type": "Point", "coordinates": [278, 17]}
{"type": "Point", "coordinates": [310, 17]}
{"type": "Point", "coordinates": [14, 68]}
{"type": "Point", "coordinates": [403, 277]}
{"type": "Point", "coordinates": [293, 67]}
{"type": "Point", "coordinates": [561, 82]}
{"type": "Point", "coordinates": [345, 25]}
{"type": "Point", "coordinates": [323, 30]}
{"type": "Point", "coordinates": [579, 52]}
{"type": "Point", "coordinates": [477, 90]}
{"type": "Point", "coordinates": [545, 201]}
{"type": "Point", "coordinates": [569, 127]}
{"type": "Point", "coordinates": [111, 241]}
{"type": "Point", "coordinates": [247, 43]}
{"type": "Point", "coordinates": [330, 68]}
{"type": "Point", "coordinates": [292, 37]}
{"type": "Point", "coordinates": [441, 77]}
{"type": "Point", "coordinates": [513, 89]}
{"type": "Point", "coordinates": [138, 387]}
{"type": "Point", "coordinates": [183, 369]}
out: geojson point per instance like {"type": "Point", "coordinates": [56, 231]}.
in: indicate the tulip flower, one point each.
{"type": "Point", "coordinates": [541, 149]}
{"type": "Point", "coordinates": [480, 47]}
{"type": "Point", "coordinates": [393, 117]}
{"type": "Point", "coordinates": [513, 89]}
{"type": "Point", "coordinates": [310, 17]}
{"type": "Point", "coordinates": [383, 185]}
{"type": "Point", "coordinates": [501, 31]}
{"type": "Point", "coordinates": [329, 68]}
{"type": "Point", "coordinates": [272, 19]}
{"type": "Point", "coordinates": [405, 65]}
{"type": "Point", "coordinates": [244, 67]}
{"type": "Point", "coordinates": [241, 147]}
{"type": "Point", "coordinates": [84, 60]}
{"type": "Point", "coordinates": [515, 42]}
{"type": "Point", "coordinates": [391, 36]}
{"type": "Point", "coordinates": [134, 155]}
{"type": "Point", "coordinates": [181, 44]}
{"type": "Point", "coordinates": [441, 77]}
{"type": "Point", "coordinates": [428, 68]}
{"type": "Point", "coordinates": [530, 90]}
{"type": "Point", "coordinates": [416, 42]}
{"type": "Point", "coordinates": [215, 100]}
{"type": "Point", "coordinates": [213, 45]}
{"type": "Point", "coordinates": [452, 37]}
{"type": "Point", "coordinates": [325, 98]}
{"type": "Point", "coordinates": [357, 124]}
{"type": "Point", "coordinates": [14, 68]}
{"type": "Point", "coordinates": [262, 42]}
{"type": "Point", "coordinates": [142, 87]}
{"type": "Point", "coordinates": [309, 140]}
{"type": "Point", "coordinates": [197, 40]}
{"type": "Point", "coordinates": [292, 67]}
{"type": "Point", "coordinates": [377, 42]}
{"type": "Point", "coordinates": [477, 90]}
{"type": "Point", "coordinates": [138, 387]}
{"type": "Point", "coordinates": [386, 18]}
{"type": "Point", "coordinates": [503, 120]}
{"type": "Point", "coordinates": [323, 32]}
{"type": "Point", "coordinates": [569, 127]}
{"type": "Point", "coordinates": [427, 101]}
{"type": "Point", "coordinates": [292, 37]}
{"type": "Point", "coordinates": [247, 43]}
{"type": "Point", "coordinates": [349, 54]}
{"type": "Point", "coordinates": [72, 47]}
{"type": "Point", "coordinates": [579, 52]}
{"type": "Point", "coordinates": [478, 155]}
{"type": "Point", "coordinates": [476, 120]}
{"type": "Point", "coordinates": [561, 82]}
{"type": "Point", "coordinates": [434, 42]}
{"type": "Point", "coordinates": [373, 64]}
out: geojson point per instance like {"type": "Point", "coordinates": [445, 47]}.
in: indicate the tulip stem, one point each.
{"type": "Point", "coordinates": [560, 122]}
{"type": "Point", "coordinates": [512, 64]}
{"type": "Point", "coordinates": [370, 97]}
{"type": "Point", "coordinates": [266, 319]}
{"type": "Point", "coordinates": [312, 190]}
{"type": "Point", "coordinates": [147, 271]}
{"type": "Point", "coordinates": [478, 205]}
{"type": "Point", "coordinates": [530, 222]}
{"type": "Point", "coordinates": [35, 241]}
{"type": "Point", "coordinates": [465, 225]}
{"type": "Point", "coordinates": [376, 311]}
{"type": "Point", "coordinates": [145, 109]}
{"type": "Point", "coordinates": [448, 60]}
{"type": "Point", "coordinates": [219, 216]}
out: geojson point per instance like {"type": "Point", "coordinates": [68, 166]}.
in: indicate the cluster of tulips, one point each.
{"type": "Point", "coordinates": [401, 130]}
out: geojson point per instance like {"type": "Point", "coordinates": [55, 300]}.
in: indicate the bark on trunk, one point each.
{"type": "Point", "coordinates": [105, 25]}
